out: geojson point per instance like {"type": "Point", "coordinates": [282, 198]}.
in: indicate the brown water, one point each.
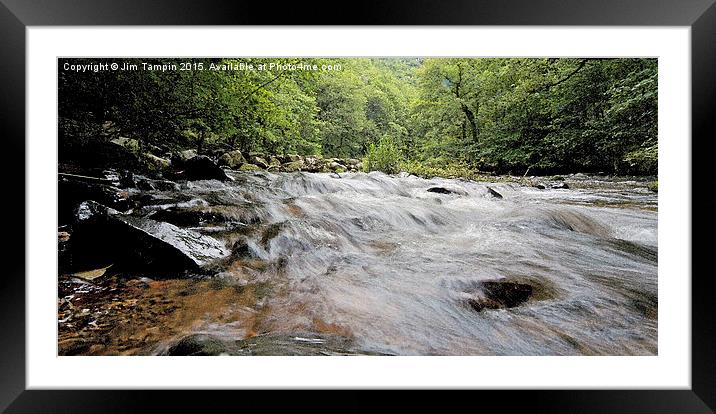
{"type": "Point", "coordinates": [393, 269]}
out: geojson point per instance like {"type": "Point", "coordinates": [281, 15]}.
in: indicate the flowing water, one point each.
{"type": "Point", "coordinates": [393, 267]}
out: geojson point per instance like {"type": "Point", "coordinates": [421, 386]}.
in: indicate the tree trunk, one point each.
{"type": "Point", "coordinates": [471, 119]}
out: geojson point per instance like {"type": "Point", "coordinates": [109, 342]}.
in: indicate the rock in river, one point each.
{"type": "Point", "coordinates": [139, 243]}
{"type": "Point", "coordinates": [202, 167]}
{"type": "Point", "coordinates": [498, 295]}
{"type": "Point", "coordinates": [493, 193]}
{"type": "Point", "coordinates": [446, 190]}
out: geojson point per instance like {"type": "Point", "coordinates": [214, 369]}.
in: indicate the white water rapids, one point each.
{"type": "Point", "coordinates": [385, 262]}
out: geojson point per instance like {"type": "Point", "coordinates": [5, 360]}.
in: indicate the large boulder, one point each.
{"type": "Point", "coordinates": [102, 235]}
{"type": "Point", "coordinates": [202, 167]}
{"type": "Point", "coordinates": [232, 159]}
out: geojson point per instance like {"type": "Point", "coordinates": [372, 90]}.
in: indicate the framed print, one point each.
{"type": "Point", "coordinates": [485, 196]}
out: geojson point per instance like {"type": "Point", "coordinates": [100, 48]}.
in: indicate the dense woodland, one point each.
{"type": "Point", "coordinates": [520, 116]}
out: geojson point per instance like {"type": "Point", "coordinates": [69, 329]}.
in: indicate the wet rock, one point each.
{"type": "Point", "coordinates": [200, 345]}
{"type": "Point", "coordinates": [539, 186]}
{"type": "Point", "coordinates": [102, 235]}
{"type": "Point", "coordinates": [72, 191]}
{"type": "Point", "coordinates": [201, 215]}
{"type": "Point", "coordinates": [233, 159]}
{"type": "Point", "coordinates": [558, 185]}
{"type": "Point", "coordinates": [446, 190]}
{"type": "Point", "coordinates": [202, 167]}
{"type": "Point", "coordinates": [493, 193]}
{"type": "Point", "coordinates": [146, 184]}
{"type": "Point", "coordinates": [439, 190]}
{"type": "Point", "coordinates": [498, 295]}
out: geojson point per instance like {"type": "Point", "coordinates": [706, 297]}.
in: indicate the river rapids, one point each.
{"type": "Point", "coordinates": [393, 268]}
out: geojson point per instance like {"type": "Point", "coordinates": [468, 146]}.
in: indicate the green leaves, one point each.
{"type": "Point", "coordinates": [505, 115]}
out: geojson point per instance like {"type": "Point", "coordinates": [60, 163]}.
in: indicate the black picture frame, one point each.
{"type": "Point", "coordinates": [16, 15]}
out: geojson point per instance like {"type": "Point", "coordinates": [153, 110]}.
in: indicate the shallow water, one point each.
{"type": "Point", "coordinates": [380, 260]}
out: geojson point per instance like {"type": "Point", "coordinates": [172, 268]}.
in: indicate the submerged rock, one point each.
{"type": "Point", "coordinates": [140, 244]}
{"type": "Point", "coordinates": [498, 295]}
{"type": "Point", "coordinates": [445, 190]}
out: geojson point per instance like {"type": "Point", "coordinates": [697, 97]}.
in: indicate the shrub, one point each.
{"type": "Point", "coordinates": [383, 157]}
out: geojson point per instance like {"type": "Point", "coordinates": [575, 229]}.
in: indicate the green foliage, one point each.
{"type": "Point", "coordinates": [653, 186]}
{"type": "Point", "coordinates": [384, 157]}
{"type": "Point", "coordinates": [520, 116]}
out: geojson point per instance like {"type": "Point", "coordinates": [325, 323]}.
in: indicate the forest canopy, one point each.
{"type": "Point", "coordinates": [501, 115]}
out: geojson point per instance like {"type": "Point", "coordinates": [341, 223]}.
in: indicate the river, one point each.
{"type": "Point", "coordinates": [384, 266]}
